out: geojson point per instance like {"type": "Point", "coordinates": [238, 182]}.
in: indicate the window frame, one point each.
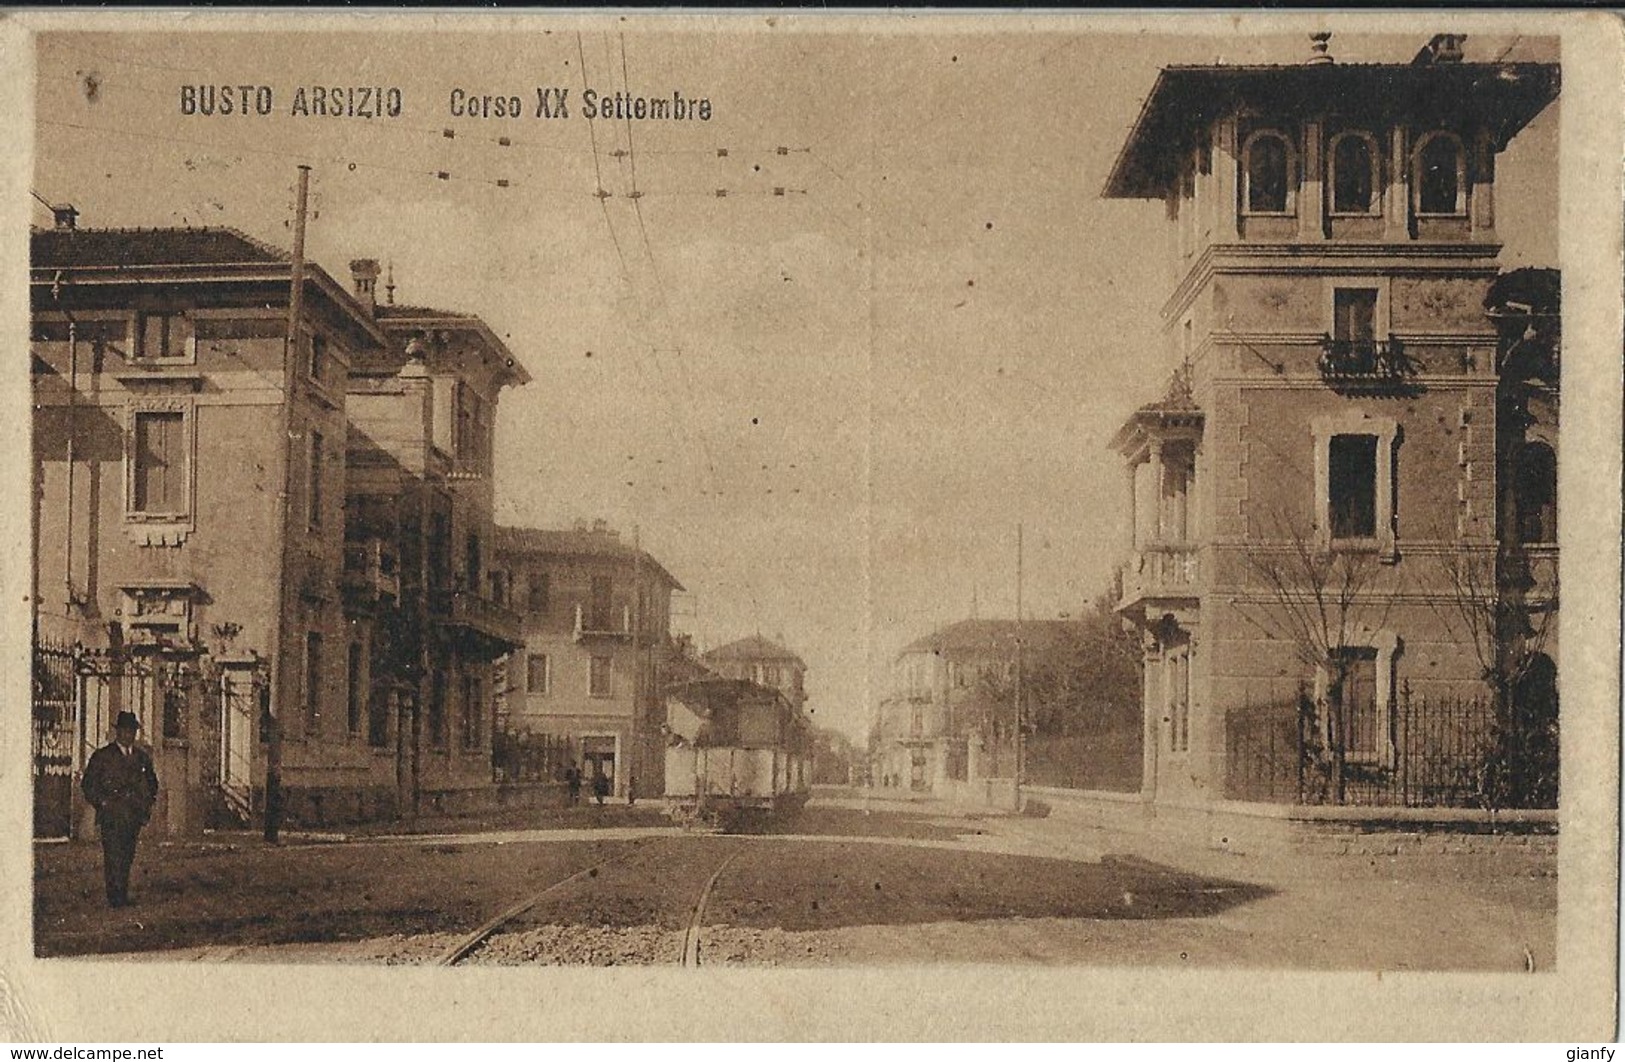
{"type": "Point", "coordinates": [1365, 494]}
{"type": "Point", "coordinates": [600, 606]}
{"type": "Point", "coordinates": [382, 707]}
{"type": "Point", "coordinates": [313, 683]}
{"type": "Point", "coordinates": [355, 703]}
{"type": "Point", "coordinates": [1245, 184]}
{"type": "Point", "coordinates": [317, 355]}
{"type": "Point", "coordinates": [608, 689]}
{"type": "Point", "coordinates": [137, 338]}
{"type": "Point", "coordinates": [538, 585]}
{"type": "Point", "coordinates": [1375, 148]}
{"type": "Point", "coordinates": [472, 703]}
{"type": "Point", "coordinates": [1388, 647]}
{"type": "Point", "coordinates": [1386, 430]}
{"type": "Point", "coordinates": [314, 440]}
{"type": "Point", "coordinates": [439, 689]}
{"type": "Point", "coordinates": [1416, 174]}
{"type": "Point", "coordinates": [546, 686]}
{"type": "Point", "coordinates": [137, 409]}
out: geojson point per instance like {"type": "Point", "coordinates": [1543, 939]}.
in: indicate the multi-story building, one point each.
{"type": "Point", "coordinates": [1320, 519]}
{"type": "Point", "coordinates": [762, 661]}
{"type": "Point", "coordinates": [596, 614]}
{"type": "Point", "coordinates": [189, 505]}
{"type": "Point", "coordinates": [950, 716]}
{"type": "Point", "coordinates": [429, 611]}
{"type": "Point", "coordinates": [183, 547]}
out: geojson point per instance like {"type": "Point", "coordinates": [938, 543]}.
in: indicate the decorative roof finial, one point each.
{"type": "Point", "coordinates": [389, 284]}
{"type": "Point", "coordinates": [1318, 45]}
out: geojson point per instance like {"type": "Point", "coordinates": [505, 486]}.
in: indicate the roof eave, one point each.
{"type": "Point", "coordinates": [514, 374]}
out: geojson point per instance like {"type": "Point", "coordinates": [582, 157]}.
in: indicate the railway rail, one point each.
{"type": "Point", "coordinates": [510, 916]}
{"type": "Point", "coordinates": [691, 936]}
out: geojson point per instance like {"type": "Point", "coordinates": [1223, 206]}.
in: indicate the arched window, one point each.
{"type": "Point", "coordinates": [1440, 175]}
{"type": "Point", "coordinates": [1353, 179]}
{"type": "Point", "coordinates": [1267, 174]}
{"type": "Point", "coordinates": [1536, 486]}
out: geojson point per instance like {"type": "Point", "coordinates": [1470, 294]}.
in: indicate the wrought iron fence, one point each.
{"type": "Point", "coordinates": [1429, 751]}
{"type": "Point", "coordinates": [55, 703]}
{"type": "Point", "coordinates": [524, 756]}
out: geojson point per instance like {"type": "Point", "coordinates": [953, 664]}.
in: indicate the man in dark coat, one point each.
{"type": "Point", "coordinates": [121, 785]}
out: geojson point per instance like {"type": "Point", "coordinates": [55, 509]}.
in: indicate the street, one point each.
{"type": "Point", "coordinates": [852, 881]}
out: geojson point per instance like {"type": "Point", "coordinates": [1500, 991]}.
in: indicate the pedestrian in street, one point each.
{"type": "Point", "coordinates": [600, 786]}
{"type": "Point", "coordinates": [121, 784]}
{"type": "Point", "coordinates": [572, 779]}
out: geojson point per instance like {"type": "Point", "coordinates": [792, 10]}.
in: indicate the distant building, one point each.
{"type": "Point", "coordinates": [1337, 480]}
{"type": "Point", "coordinates": [597, 651]}
{"type": "Point", "coordinates": [767, 663]}
{"type": "Point", "coordinates": [940, 724]}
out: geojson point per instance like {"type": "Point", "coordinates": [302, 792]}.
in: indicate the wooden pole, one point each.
{"type": "Point", "coordinates": [280, 646]}
{"type": "Point", "coordinates": [1021, 693]}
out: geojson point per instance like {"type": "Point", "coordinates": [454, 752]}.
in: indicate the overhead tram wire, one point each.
{"type": "Point", "coordinates": [345, 161]}
{"type": "Point", "coordinates": [654, 264]}
{"type": "Point", "coordinates": [626, 272]}
{"type": "Point", "coordinates": [678, 423]}
{"type": "Point", "coordinates": [626, 276]}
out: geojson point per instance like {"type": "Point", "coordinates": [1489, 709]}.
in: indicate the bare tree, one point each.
{"type": "Point", "coordinates": [1317, 600]}
{"type": "Point", "coordinates": [1484, 599]}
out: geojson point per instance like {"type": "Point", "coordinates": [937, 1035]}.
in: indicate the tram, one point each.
{"type": "Point", "coordinates": [738, 753]}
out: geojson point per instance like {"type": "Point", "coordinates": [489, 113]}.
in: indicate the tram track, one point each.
{"type": "Point", "coordinates": [598, 876]}
{"type": "Point", "coordinates": [466, 946]}
{"type": "Point", "coordinates": [696, 922]}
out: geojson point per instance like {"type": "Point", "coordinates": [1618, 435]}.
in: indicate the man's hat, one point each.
{"type": "Point", "coordinates": [126, 719]}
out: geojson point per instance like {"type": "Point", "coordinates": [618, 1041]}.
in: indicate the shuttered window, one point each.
{"type": "Point", "coordinates": [160, 473]}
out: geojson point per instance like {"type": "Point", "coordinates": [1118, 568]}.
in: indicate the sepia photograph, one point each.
{"type": "Point", "coordinates": [880, 495]}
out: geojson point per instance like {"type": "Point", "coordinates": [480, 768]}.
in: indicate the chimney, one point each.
{"type": "Point", "coordinates": [65, 216]}
{"type": "Point", "coordinates": [1318, 45]}
{"type": "Point", "coordinates": [1443, 48]}
{"type": "Point", "coordinates": [364, 272]}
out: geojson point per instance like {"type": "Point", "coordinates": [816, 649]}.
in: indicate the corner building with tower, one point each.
{"type": "Point", "coordinates": [1344, 482]}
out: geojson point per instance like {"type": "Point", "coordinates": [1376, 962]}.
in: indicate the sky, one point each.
{"type": "Point", "coordinates": [826, 411]}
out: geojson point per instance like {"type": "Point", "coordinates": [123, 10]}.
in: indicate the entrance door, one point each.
{"type": "Point", "coordinates": [598, 758]}
{"type": "Point", "coordinates": [916, 775]}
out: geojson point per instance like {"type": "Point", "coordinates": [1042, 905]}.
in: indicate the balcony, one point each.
{"type": "Point", "coordinates": [483, 627]}
{"type": "Point", "coordinates": [1531, 570]}
{"type": "Point", "coordinates": [371, 575]}
{"type": "Point", "coordinates": [1161, 573]}
{"type": "Point", "coordinates": [1366, 364]}
{"type": "Point", "coordinates": [602, 623]}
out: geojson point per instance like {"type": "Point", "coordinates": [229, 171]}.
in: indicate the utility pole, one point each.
{"type": "Point", "coordinates": [1021, 692]}
{"type": "Point", "coordinates": [280, 646]}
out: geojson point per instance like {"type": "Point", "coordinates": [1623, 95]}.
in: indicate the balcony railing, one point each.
{"type": "Point", "coordinates": [1165, 571]}
{"type": "Point", "coordinates": [603, 624]}
{"type": "Point", "coordinates": [1365, 362]}
{"type": "Point", "coordinates": [497, 628]}
{"type": "Point", "coordinates": [1531, 568]}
